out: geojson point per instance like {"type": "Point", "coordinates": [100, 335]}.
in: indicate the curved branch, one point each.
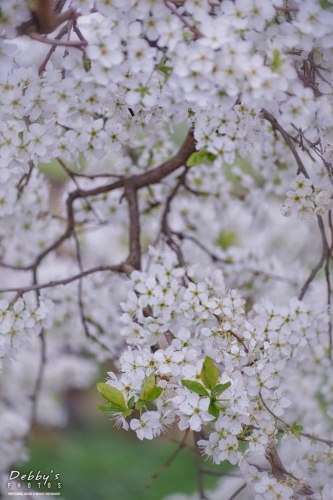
{"type": "Point", "coordinates": [121, 268]}
{"type": "Point", "coordinates": [276, 126]}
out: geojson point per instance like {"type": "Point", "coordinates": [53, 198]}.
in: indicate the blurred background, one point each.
{"type": "Point", "coordinates": [97, 461]}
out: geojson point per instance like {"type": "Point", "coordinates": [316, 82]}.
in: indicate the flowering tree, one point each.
{"type": "Point", "coordinates": [174, 260]}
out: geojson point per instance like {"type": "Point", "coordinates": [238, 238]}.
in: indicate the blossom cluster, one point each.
{"type": "Point", "coordinates": [308, 201]}
{"type": "Point", "coordinates": [19, 323]}
{"type": "Point", "coordinates": [204, 327]}
{"type": "Point", "coordinates": [215, 368]}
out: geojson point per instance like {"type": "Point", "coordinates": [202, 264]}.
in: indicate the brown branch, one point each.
{"type": "Point", "coordinates": [40, 373]}
{"type": "Point", "coordinates": [57, 43]}
{"type": "Point", "coordinates": [216, 258]}
{"type": "Point", "coordinates": [165, 228]}
{"type": "Point", "coordinates": [78, 32]}
{"type": "Point", "coordinates": [61, 33]}
{"type": "Point", "coordinates": [188, 446]}
{"type": "Point", "coordinates": [211, 472]}
{"type": "Point", "coordinates": [324, 256]}
{"type": "Point", "coordinates": [286, 9]}
{"type": "Point", "coordinates": [329, 442]}
{"type": "Point", "coordinates": [24, 180]}
{"type": "Point", "coordinates": [151, 177]}
{"type": "Point", "coordinates": [312, 275]}
{"type": "Point", "coordinates": [72, 176]}
{"type": "Point", "coordinates": [134, 258]}
{"type": "Point", "coordinates": [313, 146]}
{"type": "Point", "coordinates": [278, 469]}
{"type": "Point", "coordinates": [288, 139]}
{"type": "Point", "coordinates": [238, 491]}
{"type": "Point", "coordinates": [329, 295]}
{"type": "Point", "coordinates": [192, 28]}
{"type": "Point", "coordinates": [181, 2]}
{"type": "Point", "coordinates": [237, 337]}
{"type": "Point", "coordinates": [135, 181]}
{"type": "Point", "coordinates": [121, 268]}
{"type": "Point", "coordinates": [197, 437]}
{"type": "Point", "coordinates": [86, 176]}
{"type": "Point", "coordinates": [157, 174]}
{"type": "Point", "coordinates": [46, 16]}
{"type": "Point", "coordinates": [80, 298]}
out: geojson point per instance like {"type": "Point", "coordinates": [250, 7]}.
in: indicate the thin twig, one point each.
{"type": "Point", "coordinates": [192, 28]}
{"type": "Point", "coordinates": [120, 268]}
{"type": "Point", "coordinates": [41, 368]}
{"type": "Point", "coordinates": [134, 258]}
{"type": "Point", "coordinates": [211, 472]}
{"type": "Point", "coordinates": [169, 461]}
{"type": "Point", "coordinates": [238, 491]}
{"type": "Point", "coordinates": [165, 228]}
{"type": "Point", "coordinates": [301, 433]}
{"type": "Point", "coordinates": [312, 275]}
{"type": "Point", "coordinates": [201, 489]}
{"type": "Point", "coordinates": [288, 139]}
{"type": "Point", "coordinates": [57, 43]}
{"type": "Point", "coordinates": [80, 297]}
{"type": "Point", "coordinates": [61, 33]}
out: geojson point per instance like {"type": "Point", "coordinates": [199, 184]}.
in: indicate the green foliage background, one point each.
{"type": "Point", "coordinates": [102, 463]}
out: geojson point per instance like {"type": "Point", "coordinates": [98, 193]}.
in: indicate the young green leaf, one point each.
{"type": "Point", "coordinates": [86, 63]}
{"type": "Point", "coordinates": [113, 395]}
{"type": "Point", "coordinates": [139, 404]}
{"type": "Point", "coordinates": [148, 385]}
{"type": "Point", "coordinates": [154, 394]}
{"type": "Point", "coordinates": [296, 429]}
{"type": "Point", "coordinates": [127, 413]}
{"type": "Point", "coordinates": [219, 405]}
{"type": "Point", "coordinates": [219, 388]}
{"type": "Point", "coordinates": [212, 410]}
{"type": "Point", "coordinates": [277, 60]}
{"type": "Point", "coordinates": [196, 158]}
{"type": "Point", "coordinates": [164, 68]}
{"type": "Point", "coordinates": [195, 387]}
{"type": "Point", "coordinates": [325, 4]}
{"type": "Point", "coordinates": [130, 402]}
{"type": "Point", "coordinates": [110, 408]}
{"type": "Point", "coordinates": [209, 373]}
{"type": "Point", "coordinates": [210, 157]}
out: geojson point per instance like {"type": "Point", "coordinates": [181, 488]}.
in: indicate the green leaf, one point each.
{"type": "Point", "coordinates": [190, 113]}
{"type": "Point", "coordinates": [112, 395]}
{"type": "Point", "coordinates": [163, 67]}
{"type": "Point", "coordinates": [195, 387]}
{"type": "Point", "coordinates": [219, 388]}
{"type": "Point", "coordinates": [86, 63]}
{"type": "Point", "coordinates": [296, 429]}
{"type": "Point", "coordinates": [277, 60]}
{"type": "Point", "coordinates": [142, 90]}
{"type": "Point", "coordinates": [209, 373]}
{"type": "Point", "coordinates": [212, 410]}
{"type": "Point", "coordinates": [210, 157]}
{"type": "Point", "coordinates": [219, 406]}
{"type": "Point", "coordinates": [226, 239]}
{"type": "Point", "coordinates": [196, 158]}
{"type": "Point", "coordinates": [325, 4]}
{"type": "Point", "coordinates": [110, 408]}
{"type": "Point", "coordinates": [200, 157]}
{"type": "Point", "coordinates": [148, 385]}
{"type": "Point", "coordinates": [139, 404]}
{"type": "Point", "coordinates": [130, 402]}
{"type": "Point", "coordinates": [154, 394]}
